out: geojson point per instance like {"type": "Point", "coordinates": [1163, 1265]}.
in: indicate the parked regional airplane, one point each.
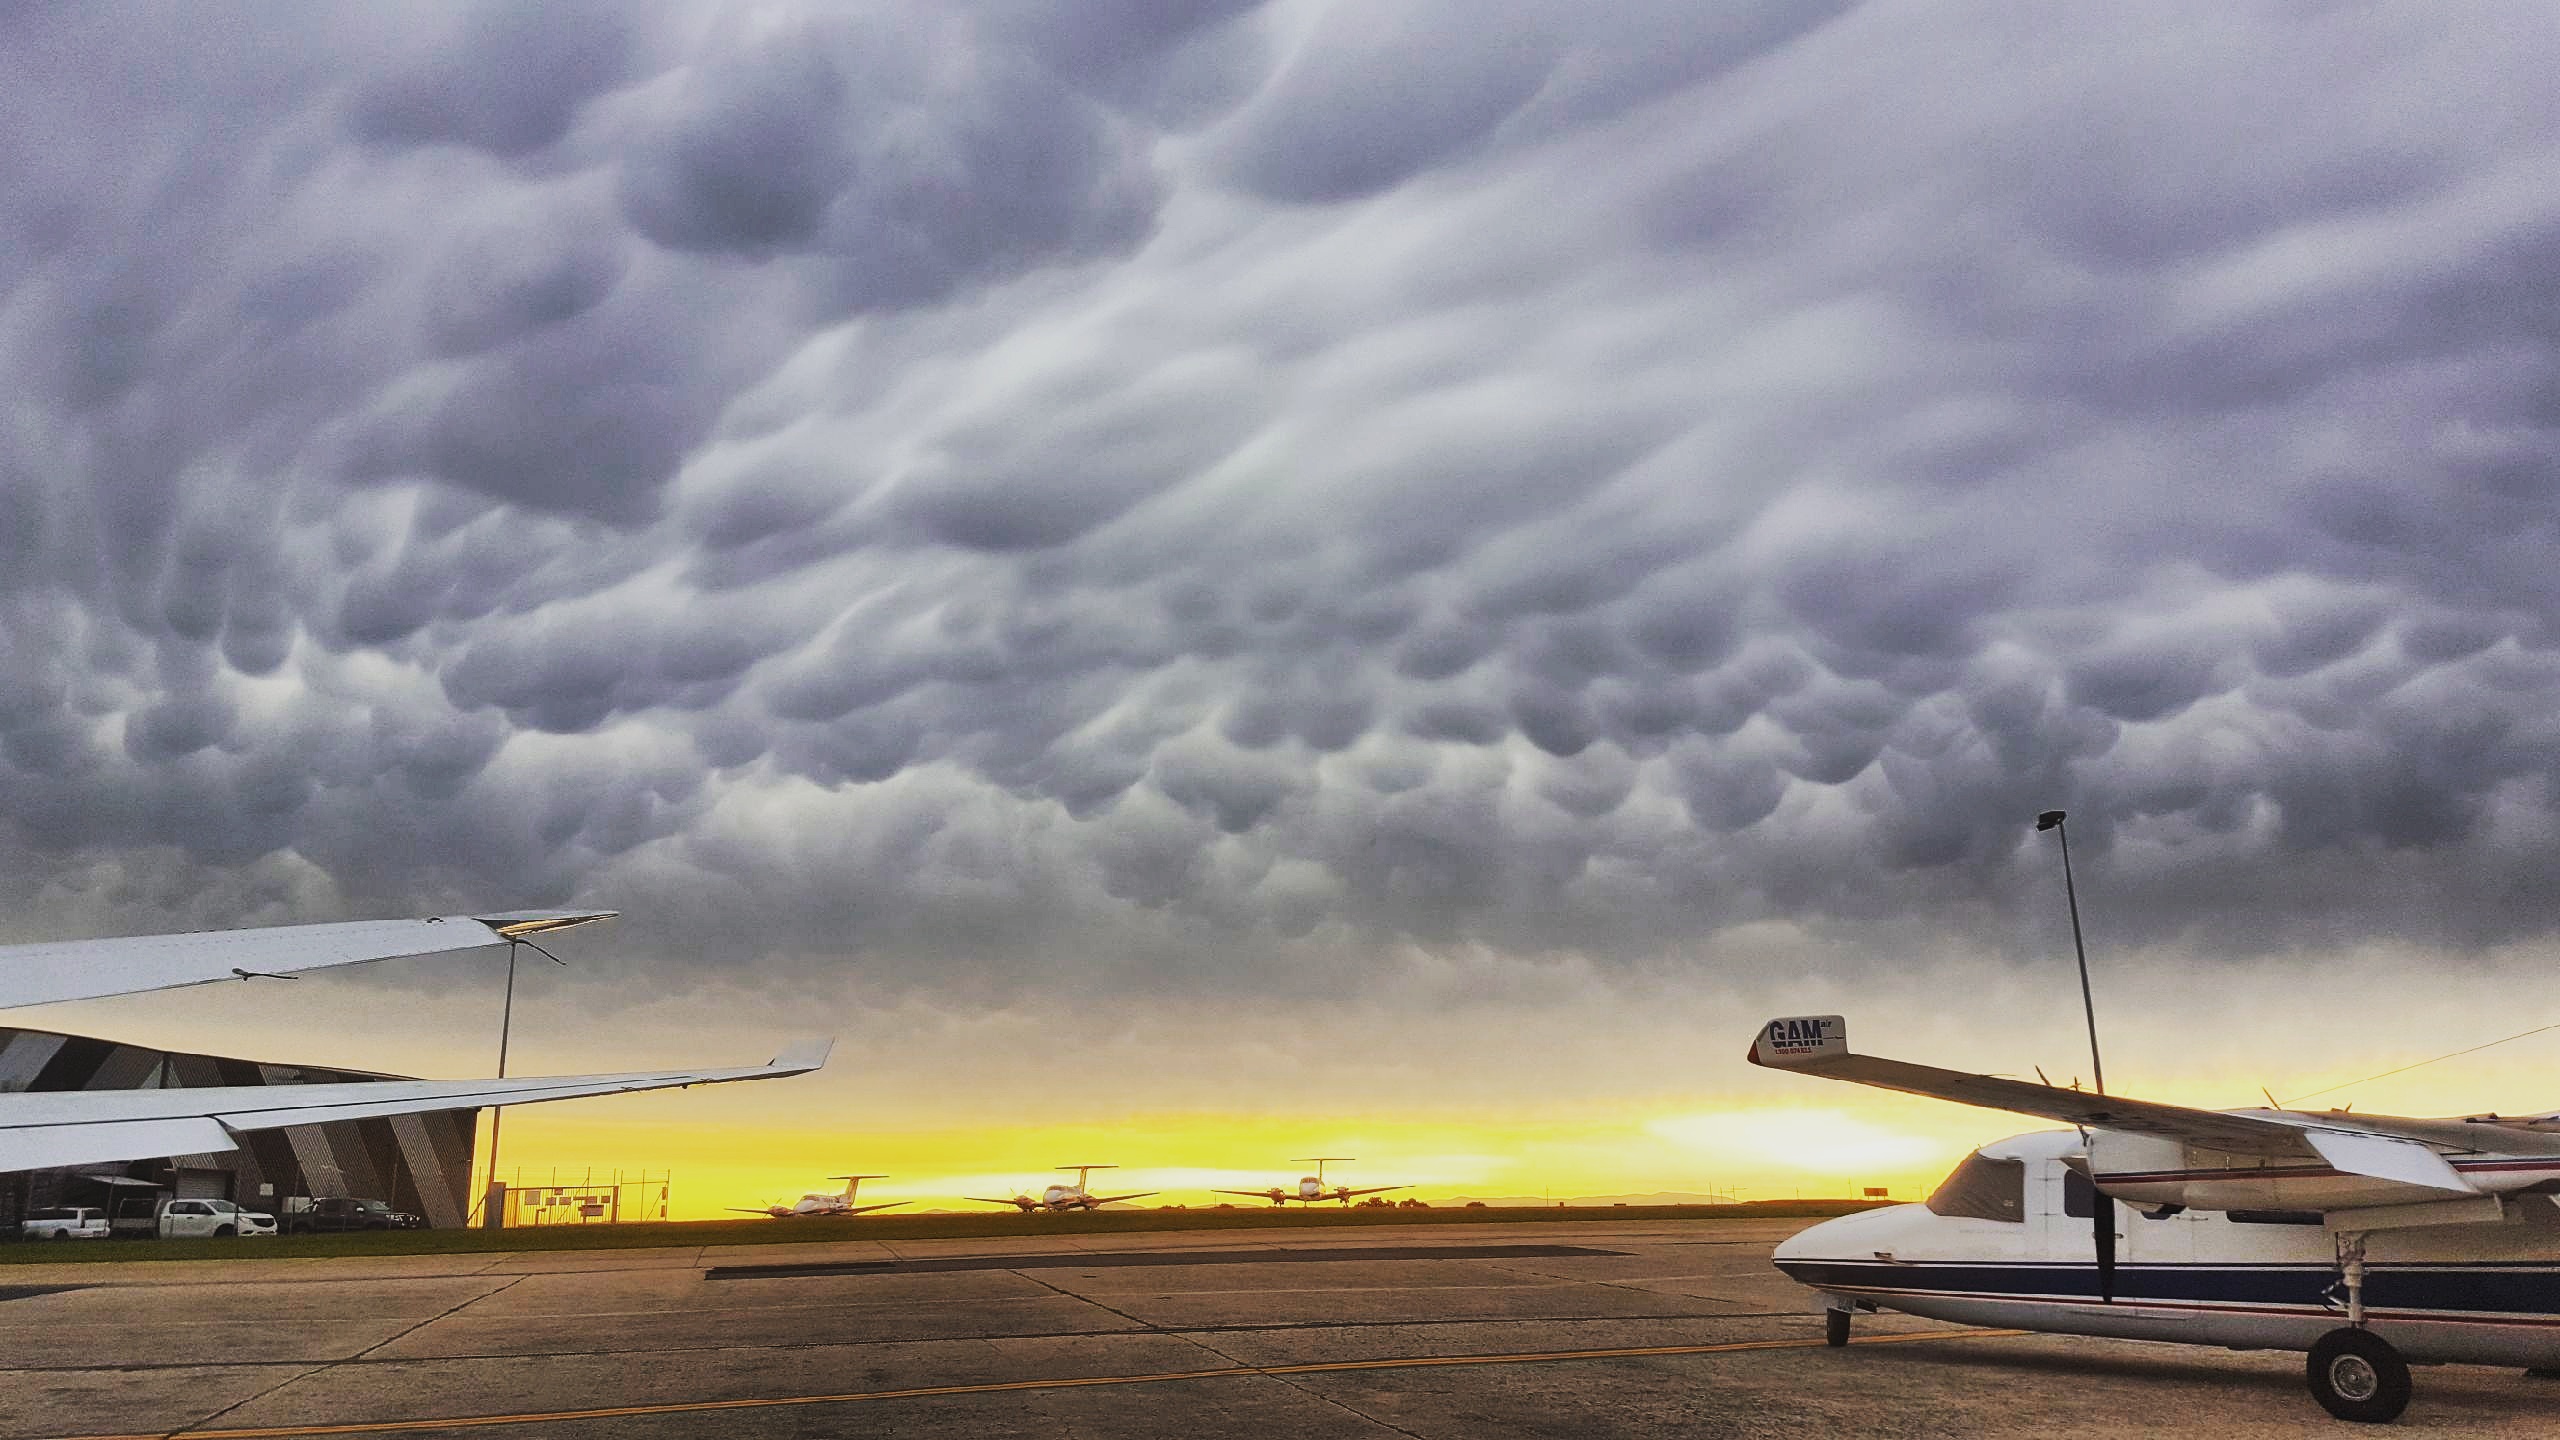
{"type": "Point", "coordinates": [45, 1130]}
{"type": "Point", "coordinates": [2367, 1240]}
{"type": "Point", "coordinates": [1311, 1187]}
{"type": "Point", "coordinates": [1063, 1197]}
{"type": "Point", "coordinates": [819, 1202]}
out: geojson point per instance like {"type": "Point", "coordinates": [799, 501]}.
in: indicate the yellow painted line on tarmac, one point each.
{"type": "Point", "coordinates": [1231, 1372]}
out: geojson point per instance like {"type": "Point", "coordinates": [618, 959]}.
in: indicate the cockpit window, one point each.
{"type": "Point", "coordinates": [1983, 1189]}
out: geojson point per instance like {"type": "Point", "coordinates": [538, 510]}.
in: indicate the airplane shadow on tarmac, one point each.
{"type": "Point", "coordinates": [1954, 1356]}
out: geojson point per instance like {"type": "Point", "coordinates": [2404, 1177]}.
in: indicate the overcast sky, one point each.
{"type": "Point", "coordinates": [1327, 510]}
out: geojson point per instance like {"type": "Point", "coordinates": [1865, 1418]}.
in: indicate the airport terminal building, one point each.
{"type": "Point", "coordinates": [417, 1163]}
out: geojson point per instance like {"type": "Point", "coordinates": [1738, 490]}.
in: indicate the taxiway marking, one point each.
{"type": "Point", "coordinates": [1227, 1372]}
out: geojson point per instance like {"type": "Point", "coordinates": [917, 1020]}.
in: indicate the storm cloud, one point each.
{"type": "Point", "coordinates": [1224, 496]}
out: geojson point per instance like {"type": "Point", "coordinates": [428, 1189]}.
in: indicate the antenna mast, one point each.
{"type": "Point", "coordinates": [2052, 820]}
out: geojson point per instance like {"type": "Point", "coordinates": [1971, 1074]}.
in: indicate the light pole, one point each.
{"type": "Point", "coordinates": [492, 1217]}
{"type": "Point", "coordinates": [2052, 820]}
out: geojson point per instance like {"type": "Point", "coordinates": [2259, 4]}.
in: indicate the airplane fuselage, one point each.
{"type": "Point", "coordinates": [1309, 1191]}
{"type": "Point", "coordinates": [2480, 1293]}
{"type": "Point", "coordinates": [1055, 1199]}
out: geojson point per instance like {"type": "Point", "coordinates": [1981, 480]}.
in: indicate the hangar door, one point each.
{"type": "Point", "coordinates": [203, 1185]}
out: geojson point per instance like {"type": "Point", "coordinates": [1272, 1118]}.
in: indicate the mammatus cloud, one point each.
{"type": "Point", "coordinates": [1224, 496]}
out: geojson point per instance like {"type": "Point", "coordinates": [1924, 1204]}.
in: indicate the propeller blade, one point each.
{"type": "Point", "coordinates": [2102, 1235]}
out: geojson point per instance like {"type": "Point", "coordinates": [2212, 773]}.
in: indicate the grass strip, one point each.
{"type": "Point", "coordinates": [688, 1233]}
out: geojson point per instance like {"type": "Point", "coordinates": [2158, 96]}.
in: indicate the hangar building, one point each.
{"type": "Point", "coordinates": [417, 1163]}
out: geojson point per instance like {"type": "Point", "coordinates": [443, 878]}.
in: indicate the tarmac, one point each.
{"type": "Point", "coordinates": [1630, 1329]}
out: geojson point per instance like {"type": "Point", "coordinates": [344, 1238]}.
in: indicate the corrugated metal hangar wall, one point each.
{"type": "Point", "coordinates": [418, 1163]}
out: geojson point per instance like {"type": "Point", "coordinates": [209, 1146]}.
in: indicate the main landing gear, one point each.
{"type": "Point", "coordinates": [1835, 1328]}
{"type": "Point", "coordinates": [2354, 1373]}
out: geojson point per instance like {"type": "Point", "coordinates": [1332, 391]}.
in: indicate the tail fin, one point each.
{"type": "Point", "coordinates": [853, 1183]}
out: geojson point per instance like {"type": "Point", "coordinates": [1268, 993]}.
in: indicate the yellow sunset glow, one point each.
{"type": "Point", "coordinates": [1827, 1142]}
{"type": "Point", "coordinates": [1836, 1141]}
{"type": "Point", "coordinates": [1187, 1156]}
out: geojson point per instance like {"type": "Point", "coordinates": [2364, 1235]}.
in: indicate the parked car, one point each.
{"type": "Point", "coordinates": [137, 1217]}
{"type": "Point", "coordinates": [305, 1215]}
{"type": "Point", "coordinates": [194, 1219]}
{"type": "Point", "coordinates": [67, 1222]}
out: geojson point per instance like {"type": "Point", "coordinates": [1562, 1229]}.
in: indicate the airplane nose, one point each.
{"type": "Point", "coordinates": [1850, 1236]}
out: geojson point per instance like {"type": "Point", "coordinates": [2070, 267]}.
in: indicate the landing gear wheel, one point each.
{"type": "Point", "coordinates": [2357, 1375]}
{"type": "Point", "coordinates": [1835, 1327]}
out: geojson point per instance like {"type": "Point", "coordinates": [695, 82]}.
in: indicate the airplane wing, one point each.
{"type": "Point", "coordinates": [88, 969]}
{"type": "Point", "coordinates": [1819, 1045]}
{"type": "Point", "coordinates": [991, 1200]}
{"type": "Point", "coordinates": [1256, 1194]}
{"type": "Point", "coordinates": [1369, 1190]}
{"type": "Point", "coordinates": [1115, 1199]}
{"type": "Point", "coordinates": [867, 1209]}
{"type": "Point", "coordinates": [44, 1130]}
{"type": "Point", "coordinates": [743, 1210]}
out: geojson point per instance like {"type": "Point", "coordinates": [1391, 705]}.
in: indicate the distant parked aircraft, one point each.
{"type": "Point", "coordinates": [1063, 1197]}
{"type": "Point", "coordinates": [1311, 1188]}
{"type": "Point", "coordinates": [819, 1202]}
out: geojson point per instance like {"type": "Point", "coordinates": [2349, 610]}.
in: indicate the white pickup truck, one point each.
{"type": "Point", "coordinates": [65, 1222]}
{"type": "Point", "coordinates": [195, 1219]}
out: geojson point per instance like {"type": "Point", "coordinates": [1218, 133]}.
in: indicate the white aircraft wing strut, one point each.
{"type": "Point", "coordinates": [61, 970]}
{"type": "Point", "coordinates": [47, 1130]}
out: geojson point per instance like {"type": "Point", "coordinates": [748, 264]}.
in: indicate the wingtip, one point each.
{"type": "Point", "coordinates": [1793, 1041]}
{"type": "Point", "coordinates": [524, 924]}
{"type": "Point", "coordinates": [806, 1056]}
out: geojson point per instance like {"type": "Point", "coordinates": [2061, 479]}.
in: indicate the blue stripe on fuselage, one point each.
{"type": "Point", "coordinates": [2529, 1289]}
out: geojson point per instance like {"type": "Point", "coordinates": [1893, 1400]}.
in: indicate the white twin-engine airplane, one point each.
{"type": "Point", "coordinates": [1311, 1188]}
{"type": "Point", "coordinates": [2367, 1240]}
{"type": "Point", "coordinates": [1063, 1197]}
{"type": "Point", "coordinates": [54, 1129]}
{"type": "Point", "coordinates": [819, 1202]}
